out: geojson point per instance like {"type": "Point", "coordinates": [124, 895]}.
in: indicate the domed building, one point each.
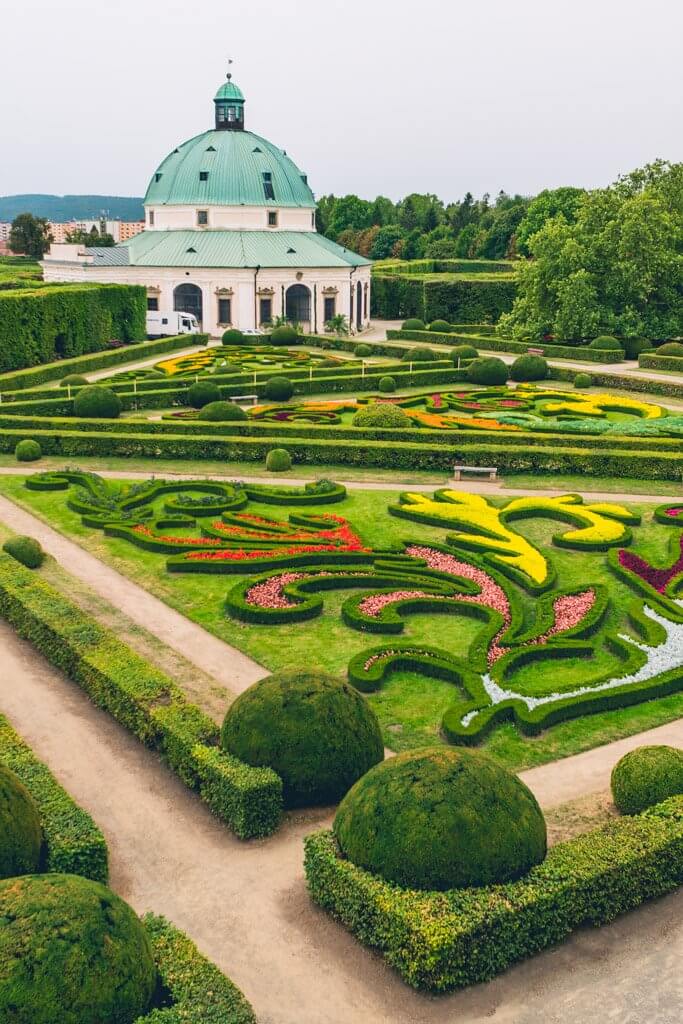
{"type": "Point", "coordinates": [230, 236]}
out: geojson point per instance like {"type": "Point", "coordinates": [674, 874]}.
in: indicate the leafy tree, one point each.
{"type": "Point", "coordinates": [30, 235]}
{"type": "Point", "coordinates": [548, 204]}
{"type": "Point", "coordinates": [414, 245]}
{"type": "Point", "coordinates": [90, 238]}
{"type": "Point", "coordinates": [348, 212]}
{"type": "Point", "coordinates": [465, 243]}
{"type": "Point", "coordinates": [385, 241]}
{"type": "Point", "coordinates": [442, 249]}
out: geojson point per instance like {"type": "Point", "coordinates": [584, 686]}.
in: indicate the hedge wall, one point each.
{"type": "Point", "coordinates": [40, 326]}
{"type": "Point", "coordinates": [36, 375]}
{"type": "Point", "coordinates": [443, 267]}
{"type": "Point", "coordinates": [651, 361]}
{"type": "Point", "coordinates": [441, 941]}
{"type": "Point", "coordinates": [489, 343]}
{"type": "Point", "coordinates": [142, 699]}
{"type": "Point", "coordinates": [467, 301]}
{"type": "Point", "coordinates": [72, 842]}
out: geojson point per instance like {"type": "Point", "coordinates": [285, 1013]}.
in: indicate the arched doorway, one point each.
{"type": "Point", "coordinates": [298, 304]}
{"type": "Point", "coordinates": [187, 298]}
{"type": "Point", "coordinates": [359, 306]}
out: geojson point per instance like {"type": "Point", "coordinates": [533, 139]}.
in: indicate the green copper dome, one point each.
{"type": "Point", "coordinates": [229, 91]}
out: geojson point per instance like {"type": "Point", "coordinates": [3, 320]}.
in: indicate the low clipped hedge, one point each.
{"type": "Point", "coordinates": [21, 835]}
{"type": "Point", "coordinates": [646, 776]}
{"type": "Point", "coordinates": [492, 343]}
{"type": "Point", "coordinates": [655, 361]}
{"type": "Point", "coordinates": [441, 941]}
{"type": "Point", "coordinates": [142, 699]}
{"type": "Point", "coordinates": [72, 842]}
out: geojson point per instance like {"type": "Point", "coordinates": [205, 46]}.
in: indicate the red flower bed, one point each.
{"type": "Point", "coordinates": [657, 578]}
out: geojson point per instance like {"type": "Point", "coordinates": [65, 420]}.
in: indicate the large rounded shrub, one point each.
{"type": "Point", "coordinates": [413, 324]}
{"type": "Point", "coordinates": [220, 412]}
{"type": "Point", "coordinates": [95, 402]}
{"type": "Point", "coordinates": [419, 354]}
{"type": "Point", "coordinates": [26, 550]}
{"type": "Point", "coordinates": [278, 389]}
{"type": "Point", "coordinates": [362, 350]}
{"type": "Point", "coordinates": [202, 393]}
{"type": "Point", "coordinates": [28, 451]}
{"type": "Point", "coordinates": [463, 352]}
{"type": "Point", "coordinates": [440, 327]}
{"type": "Point", "coordinates": [583, 380]}
{"type": "Point", "coordinates": [318, 733]}
{"type": "Point", "coordinates": [646, 776]}
{"type": "Point", "coordinates": [21, 835]}
{"type": "Point", "coordinates": [487, 370]}
{"type": "Point", "coordinates": [73, 380]}
{"type": "Point", "coordinates": [527, 367]}
{"type": "Point", "coordinates": [71, 952]}
{"type": "Point", "coordinates": [607, 343]}
{"type": "Point", "coordinates": [634, 346]}
{"type": "Point", "coordinates": [381, 414]}
{"type": "Point", "coordinates": [671, 348]}
{"type": "Point", "coordinates": [387, 384]}
{"type": "Point", "coordinates": [441, 818]}
{"type": "Point", "coordinates": [233, 337]}
{"type": "Point", "coordinates": [278, 460]}
{"type": "Point", "coordinates": [284, 335]}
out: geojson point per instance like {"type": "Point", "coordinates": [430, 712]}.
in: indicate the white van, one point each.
{"type": "Point", "coordinates": [161, 324]}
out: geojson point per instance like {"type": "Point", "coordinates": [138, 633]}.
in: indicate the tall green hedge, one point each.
{"type": "Point", "coordinates": [44, 324]}
{"type": "Point", "coordinates": [466, 300]}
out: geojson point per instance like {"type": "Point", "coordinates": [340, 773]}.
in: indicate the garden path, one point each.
{"type": "Point", "coordinates": [226, 664]}
{"type": "Point", "coordinates": [246, 906]}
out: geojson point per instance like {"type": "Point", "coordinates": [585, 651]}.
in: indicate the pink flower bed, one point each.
{"type": "Point", "coordinates": [374, 604]}
{"type": "Point", "coordinates": [270, 593]}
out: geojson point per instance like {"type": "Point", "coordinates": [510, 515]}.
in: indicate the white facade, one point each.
{"type": "Point", "coordinates": [229, 218]}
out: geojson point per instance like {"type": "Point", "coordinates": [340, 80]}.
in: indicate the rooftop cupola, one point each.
{"type": "Point", "coordinates": [229, 103]}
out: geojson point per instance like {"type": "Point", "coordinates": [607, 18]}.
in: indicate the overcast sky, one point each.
{"type": "Point", "coordinates": [376, 96]}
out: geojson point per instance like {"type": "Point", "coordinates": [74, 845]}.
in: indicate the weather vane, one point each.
{"type": "Point", "coordinates": [229, 74]}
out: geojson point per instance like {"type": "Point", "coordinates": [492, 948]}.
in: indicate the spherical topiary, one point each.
{"type": "Point", "coordinates": [646, 776]}
{"type": "Point", "coordinates": [583, 380]}
{"type": "Point", "coordinates": [526, 368]}
{"type": "Point", "coordinates": [71, 952]}
{"type": "Point", "coordinates": [362, 351]}
{"type": "Point", "coordinates": [202, 393]}
{"type": "Point", "coordinates": [441, 818]}
{"type": "Point", "coordinates": [463, 352]}
{"type": "Point", "coordinates": [95, 402]}
{"type": "Point", "coordinates": [317, 732]}
{"type": "Point", "coordinates": [419, 354]}
{"type": "Point", "coordinates": [440, 327]}
{"type": "Point", "coordinates": [220, 412]}
{"type": "Point", "coordinates": [634, 346]}
{"type": "Point", "coordinates": [73, 379]}
{"type": "Point", "coordinates": [28, 451]}
{"type": "Point", "coordinates": [21, 835]}
{"type": "Point", "coordinates": [487, 370]}
{"type": "Point", "coordinates": [606, 342]}
{"type": "Point", "coordinates": [387, 384]}
{"type": "Point", "coordinates": [278, 389]}
{"type": "Point", "coordinates": [233, 337]}
{"type": "Point", "coordinates": [670, 348]}
{"type": "Point", "coordinates": [278, 460]}
{"type": "Point", "coordinates": [381, 414]}
{"type": "Point", "coordinates": [413, 324]}
{"type": "Point", "coordinates": [26, 550]}
{"type": "Point", "coordinates": [284, 335]}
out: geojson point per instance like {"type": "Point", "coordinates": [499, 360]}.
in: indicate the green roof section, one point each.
{"type": "Point", "coordinates": [232, 165]}
{"type": "Point", "coordinates": [229, 91]}
{"type": "Point", "coordinates": [234, 249]}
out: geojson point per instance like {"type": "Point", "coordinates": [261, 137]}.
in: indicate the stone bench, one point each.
{"type": "Point", "coordinates": [490, 471]}
{"type": "Point", "coordinates": [245, 398]}
{"type": "Point", "coordinates": [535, 352]}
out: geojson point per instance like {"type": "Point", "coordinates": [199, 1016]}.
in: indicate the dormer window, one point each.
{"type": "Point", "coordinates": [191, 250]}
{"type": "Point", "coordinates": [304, 178]}
{"type": "Point", "coordinates": [268, 184]}
{"type": "Point", "coordinates": [210, 149]}
{"type": "Point", "coordinates": [202, 218]}
{"type": "Point", "coordinates": [157, 176]}
{"type": "Point", "coordinates": [203, 175]}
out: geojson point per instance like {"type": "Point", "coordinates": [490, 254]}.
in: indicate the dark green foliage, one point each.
{"type": "Point", "coordinates": [487, 370]}
{"type": "Point", "coordinates": [671, 348]}
{"type": "Point", "coordinates": [494, 343]}
{"type": "Point", "coordinates": [646, 776]}
{"type": "Point", "coordinates": [201, 393]}
{"type": "Point", "coordinates": [278, 461]}
{"type": "Point", "coordinates": [582, 380]}
{"type": "Point", "coordinates": [44, 324]}
{"type": "Point", "coordinates": [606, 341]}
{"type": "Point", "coordinates": [382, 414]}
{"type": "Point", "coordinates": [439, 326]}
{"type": "Point", "coordinates": [72, 842]}
{"type": "Point", "coordinates": [278, 389]}
{"type": "Point", "coordinates": [233, 337]}
{"type": "Point", "coordinates": [420, 354]}
{"type": "Point", "coordinates": [387, 384]}
{"type": "Point", "coordinates": [441, 818]}
{"type": "Point", "coordinates": [221, 412]}
{"type": "Point", "coordinates": [462, 352]}
{"type": "Point", "coordinates": [20, 830]}
{"type": "Point", "coordinates": [318, 733]}
{"type": "Point", "coordinates": [413, 324]}
{"type": "Point", "coordinates": [28, 451]}
{"type": "Point", "coordinates": [71, 951]}
{"type": "Point", "coordinates": [26, 550]}
{"type": "Point", "coordinates": [97, 403]}
{"type": "Point", "coordinates": [73, 380]}
{"type": "Point", "coordinates": [634, 346]}
{"type": "Point", "coordinates": [284, 335]}
{"type": "Point", "coordinates": [362, 350]}
{"type": "Point", "coordinates": [527, 368]}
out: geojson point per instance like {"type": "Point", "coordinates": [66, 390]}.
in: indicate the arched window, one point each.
{"type": "Point", "coordinates": [298, 304]}
{"type": "Point", "coordinates": [187, 298]}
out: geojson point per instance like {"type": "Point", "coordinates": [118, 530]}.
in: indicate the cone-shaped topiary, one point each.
{"type": "Point", "coordinates": [381, 414]}
{"type": "Point", "coordinates": [487, 370]}
{"type": "Point", "coordinates": [317, 732]}
{"type": "Point", "coordinates": [202, 393]}
{"type": "Point", "coordinates": [529, 368]}
{"type": "Point", "coordinates": [26, 550]}
{"type": "Point", "coordinates": [646, 776]}
{"type": "Point", "coordinates": [95, 402]}
{"type": "Point", "coordinates": [278, 460]}
{"type": "Point", "coordinates": [21, 835]}
{"type": "Point", "coordinates": [440, 327]}
{"type": "Point", "coordinates": [278, 389]}
{"type": "Point", "coordinates": [28, 451]}
{"type": "Point", "coordinates": [441, 818]}
{"type": "Point", "coordinates": [413, 324]}
{"type": "Point", "coordinates": [233, 337]}
{"type": "Point", "coordinates": [387, 384]}
{"type": "Point", "coordinates": [220, 412]}
{"type": "Point", "coordinates": [71, 952]}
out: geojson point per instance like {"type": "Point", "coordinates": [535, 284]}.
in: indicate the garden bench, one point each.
{"type": "Point", "coordinates": [459, 470]}
{"type": "Point", "coordinates": [534, 352]}
{"type": "Point", "coordinates": [245, 398]}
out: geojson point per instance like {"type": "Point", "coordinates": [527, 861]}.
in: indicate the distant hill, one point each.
{"type": "Point", "coordinates": [66, 208]}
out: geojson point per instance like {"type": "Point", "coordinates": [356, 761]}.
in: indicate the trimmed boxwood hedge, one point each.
{"type": "Point", "coordinates": [72, 842]}
{"type": "Point", "coordinates": [441, 941]}
{"type": "Point", "coordinates": [21, 835]}
{"type": "Point", "coordinates": [655, 361]}
{"type": "Point", "coordinates": [492, 343]}
{"type": "Point", "coordinates": [142, 699]}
